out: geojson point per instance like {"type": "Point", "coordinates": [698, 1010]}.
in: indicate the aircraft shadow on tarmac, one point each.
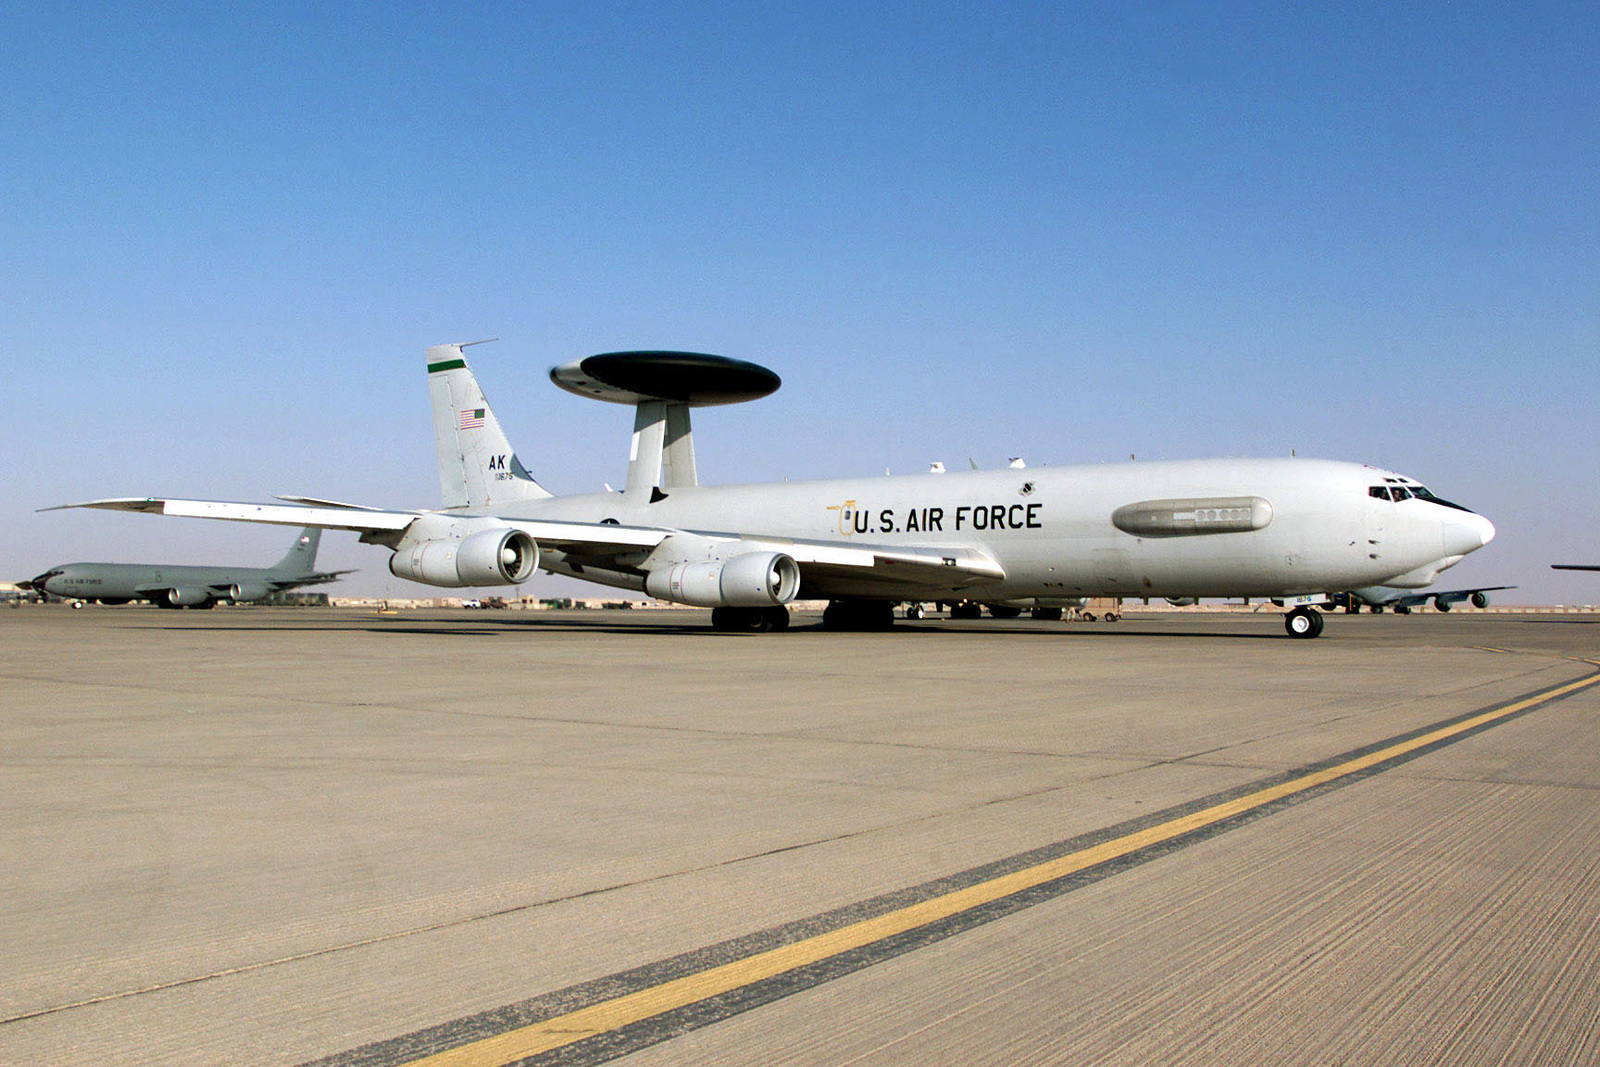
{"type": "Point", "coordinates": [480, 628]}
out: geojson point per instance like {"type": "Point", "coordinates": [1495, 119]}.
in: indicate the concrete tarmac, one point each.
{"type": "Point", "coordinates": [276, 836]}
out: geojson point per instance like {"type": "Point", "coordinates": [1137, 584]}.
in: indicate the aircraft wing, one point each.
{"type": "Point", "coordinates": [319, 578]}
{"type": "Point", "coordinates": [1575, 566]}
{"type": "Point", "coordinates": [1450, 596]}
{"type": "Point", "coordinates": [374, 524]}
{"type": "Point", "coordinates": [893, 571]}
{"type": "Point", "coordinates": [901, 570]}
{"type": "Point", "coordinates": [333, 517]}
{"type": "Point", "coordinates": [1462, 594]}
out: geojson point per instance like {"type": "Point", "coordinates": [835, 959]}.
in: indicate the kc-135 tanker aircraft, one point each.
{"type": "Point", "coordinates": [171, 586]}
{"type": "Point", "coordinates": [1293, 530]}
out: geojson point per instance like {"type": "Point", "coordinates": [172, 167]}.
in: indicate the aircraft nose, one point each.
{"type": "Point", "coordinates": [1467, 533]}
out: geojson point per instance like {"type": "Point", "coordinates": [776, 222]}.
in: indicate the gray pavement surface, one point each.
{"type": "Point", "coordinates": [267, 836]}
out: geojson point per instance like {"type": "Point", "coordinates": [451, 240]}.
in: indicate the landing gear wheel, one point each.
{"type": "Point", "coordinates": [914, 611]}
{"type": "Point", "coordinates": [1047, 614]}
{"type": "Point", "coordinates": [1303, 623]}
{"type": "Point", "coordinates": [750, 620]}
{"type": "Point", "coordinates": [966, 609]}
{"type": "Point", "coordinates": [1004, 611]}
{"type": "Point", "coordinates": [858, 615]}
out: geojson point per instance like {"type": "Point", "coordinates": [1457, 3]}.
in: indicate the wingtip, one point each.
{"type": "Point", "coordinates": [117, 503]}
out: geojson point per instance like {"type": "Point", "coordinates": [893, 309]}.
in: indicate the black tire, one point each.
{"type": "Point", "coordinates": [857, 616]}
{"type": "Point", "coordinates": [1303, 623]}
{"type": "Point", "coordinates": [750, 620]}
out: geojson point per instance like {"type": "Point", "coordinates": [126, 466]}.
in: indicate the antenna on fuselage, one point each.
{"type": "Point", "coordinates": [662, 387]}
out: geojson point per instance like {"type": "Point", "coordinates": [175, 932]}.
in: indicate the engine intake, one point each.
{"type": "Point", "coordinates": [751, 580]}
{"type": "Point", "coordinates": [490, 557]}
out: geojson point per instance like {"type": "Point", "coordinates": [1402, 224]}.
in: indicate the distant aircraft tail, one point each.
{"type": "Point", "coordinates": [301, 559]}
{"type": "Point", "coordinates": [477, 467]}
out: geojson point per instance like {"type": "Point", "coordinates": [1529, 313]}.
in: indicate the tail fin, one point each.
{"type": "Point", "coordinates": [302, 555]}
{"type": "Point", "coordinates": [477, 467]}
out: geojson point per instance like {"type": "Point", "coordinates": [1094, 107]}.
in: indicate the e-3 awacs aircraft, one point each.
{"type": "Point", "coordinates": [1292, 530]}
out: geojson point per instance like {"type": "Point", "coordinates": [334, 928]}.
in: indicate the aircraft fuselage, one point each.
{"type": "Point", "coordinates": [1222, 527]}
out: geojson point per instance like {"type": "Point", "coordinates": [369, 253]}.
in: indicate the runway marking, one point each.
{"type": "Point", "coordinates": [612, 1025]}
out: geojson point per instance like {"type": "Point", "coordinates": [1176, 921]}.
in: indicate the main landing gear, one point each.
{"type": "Point", "coordinates": [858, 615]}
{"type": "Point", "coordinates": [750, 620]}
{"type": "Point", "coordinates": [1303, 623]}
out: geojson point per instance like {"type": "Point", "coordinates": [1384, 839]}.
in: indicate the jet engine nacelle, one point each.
{"type": "Point", "coordinates": [241, 592]}
{"type": "Point", "coordinates": [1183, 601]}
{"type": "Point", "coordinates": [751, 580]}
{"type": "Point", "coordinates": [501, 556]}
{"type": "Point", "coordinates": [187, 598]}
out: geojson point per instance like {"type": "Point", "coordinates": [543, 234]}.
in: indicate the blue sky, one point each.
{"type": "Point", "coordinates": [1070, 232]}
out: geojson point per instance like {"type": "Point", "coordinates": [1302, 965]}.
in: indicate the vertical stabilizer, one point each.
{"type": "Point", "coordinates": [477, 467]}
{"type": "Point", "coordinates": [301, 558]}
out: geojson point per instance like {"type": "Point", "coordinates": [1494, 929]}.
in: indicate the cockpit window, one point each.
{"type": "Point", "coordinates": [1421, 493]}
{"type": "Point", "coordinates": [1406, 492]}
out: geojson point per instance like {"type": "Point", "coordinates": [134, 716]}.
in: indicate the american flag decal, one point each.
{"type": "Point", "coordinates": [471, 419]}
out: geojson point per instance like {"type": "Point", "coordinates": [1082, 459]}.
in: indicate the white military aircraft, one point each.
{"type": "Point", "coordinates": [1293, 530]}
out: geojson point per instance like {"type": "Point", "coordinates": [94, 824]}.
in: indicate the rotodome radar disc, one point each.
{"type": "Point", "coordinates": [692, 378]}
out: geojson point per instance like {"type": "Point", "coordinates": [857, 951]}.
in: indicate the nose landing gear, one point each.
{"type": "Point", "coordinates": [1303, 622]}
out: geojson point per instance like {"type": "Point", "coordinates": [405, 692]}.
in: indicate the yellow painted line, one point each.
{"type": "Point", "coordinates": [636, 1007]}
